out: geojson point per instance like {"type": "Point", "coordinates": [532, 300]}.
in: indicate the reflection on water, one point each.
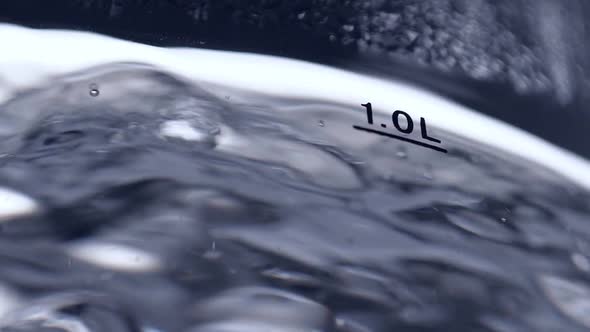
{"type": "Point", "coordinates": [132, 200]}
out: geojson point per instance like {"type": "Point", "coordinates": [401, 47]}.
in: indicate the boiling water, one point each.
{"type": "Point", "coordinates": [197, 191]}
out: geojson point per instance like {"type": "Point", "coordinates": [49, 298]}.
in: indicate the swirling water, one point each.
{"type": "Point", "coordinates": [135, 200]}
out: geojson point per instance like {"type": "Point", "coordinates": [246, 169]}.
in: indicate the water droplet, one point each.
{"type": "Point", "coordinates": [348, 28]}
{"type": "Point", "coordinates": [94, 92]}
{"type": "Point", "coordinates": [321, 123]}
{"type": "Point", "coordinates": [503, 219]}
{"type": "Point", "coordinates": [401, 153]}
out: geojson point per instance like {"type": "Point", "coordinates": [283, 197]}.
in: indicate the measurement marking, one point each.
{"type": "Point", "coordinates": [405, 139]}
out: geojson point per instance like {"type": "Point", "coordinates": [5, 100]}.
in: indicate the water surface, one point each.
{"type": "Point", "coordinates": [136, 200]}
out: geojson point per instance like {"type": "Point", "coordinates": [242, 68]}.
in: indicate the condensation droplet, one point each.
{"type": "Point", "coordinates": [321, 123]}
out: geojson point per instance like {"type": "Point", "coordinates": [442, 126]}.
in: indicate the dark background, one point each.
{"type": "Point", "coordinates": [523, 61]}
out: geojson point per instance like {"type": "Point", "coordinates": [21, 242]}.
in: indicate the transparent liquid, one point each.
{"type": "Point", "coordinates": [224, 193]}
{"type": "Point", "coordinates": [158, 206]}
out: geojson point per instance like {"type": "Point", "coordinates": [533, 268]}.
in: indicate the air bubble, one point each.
{"type": "Point", "coordinates": [321, 123]}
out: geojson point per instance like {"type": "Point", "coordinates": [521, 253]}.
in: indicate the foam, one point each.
{"type": "Point", "coordinates": [31, 56]}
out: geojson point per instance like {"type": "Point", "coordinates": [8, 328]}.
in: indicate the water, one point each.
{"type": "Point", "coordinates": [134, 198]}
